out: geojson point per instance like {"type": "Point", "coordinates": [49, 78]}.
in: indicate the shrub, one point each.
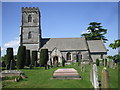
{"type": "Point", "coordinates": [43, 57]}
{"type": "Point", "coordinates": [77, 58]}
{"type": "Point", "coordinates": [105, 62]}
{"type": "Point", "coordinates": [97, 62]}
{"type": "Point", "coordinates": [9, 57]}
{"type": "Point", "coordinates": [34, 58]}
{"type": "Point", "coordinates": [21, 56]}
{"type": "Point", "coordinates": [63, 62]}
{"type": "Point", "coordinates": [28, 60]}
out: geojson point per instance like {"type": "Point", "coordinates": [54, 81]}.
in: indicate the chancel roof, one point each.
{"type": "Point", "coordinates": [96, 46]}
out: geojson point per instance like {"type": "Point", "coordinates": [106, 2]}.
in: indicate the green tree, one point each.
{"type": "Point", "coordinates": [97, 62]}
{"type": "Point", "coordinates": [95, 32]}
{"type": "Point", "coordinates": [115, 45]}
{"type": "Point", "coordinates": [21, 56]}
{"type": "Point", "coordinates": [9, 57]}
{"type": "Point", "coordinates": [4, 58]}
{"type": "Point", "coordinates": [34, 58]}
{"type": "Point", "coordinates": [28, 60]}
{"type": "Point", "coordinates": [43, 57]}
{"type": "Point", "coordinates": [63, 62]}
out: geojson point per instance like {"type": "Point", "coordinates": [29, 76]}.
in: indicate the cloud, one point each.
{"type": "Point", "coordinates": [85, 31]}
{"type": "Point", "coordinates": [13, 43]}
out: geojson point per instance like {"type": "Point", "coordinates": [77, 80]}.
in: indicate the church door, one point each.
{"type": "Point", "coordinates": [55, 60]}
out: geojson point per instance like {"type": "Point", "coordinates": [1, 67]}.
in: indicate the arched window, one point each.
{"type": "Point", "coordinates": [29, 18]}
{"type": "Point", "coordinates": [68, 56]}
{"type": "Point", "coordinates": [29, 35]}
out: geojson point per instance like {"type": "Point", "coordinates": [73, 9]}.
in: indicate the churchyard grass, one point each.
{"type": "Point", "coordinates": [41, 78]}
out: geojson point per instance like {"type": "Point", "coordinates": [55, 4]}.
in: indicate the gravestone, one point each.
{"type": "Point", "coordinates": [94, 76]}
{"type": "Point", "coordinates": [68, 73]}
{"type": "Point", "coordinates": [10, 73]}
{"type": "Point", "coordinates": [111, 64]}
{"type": "Point", "coordinates": [83, 67]}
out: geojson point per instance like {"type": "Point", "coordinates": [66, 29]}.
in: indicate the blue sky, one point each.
{"type": "Point", "coordinates": [60, 19]}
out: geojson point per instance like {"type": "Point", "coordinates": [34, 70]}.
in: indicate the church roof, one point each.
{"type": "Point", "coordinates": [64, 43]}
{"type": "Point", "coordinates": [96, 46]}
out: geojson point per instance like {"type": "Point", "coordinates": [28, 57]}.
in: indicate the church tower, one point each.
{"type": "Point", "coordinates": [30, 29]}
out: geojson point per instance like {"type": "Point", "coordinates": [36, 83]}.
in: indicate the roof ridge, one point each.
{"type": "Point", "coordinates": [65, 38]}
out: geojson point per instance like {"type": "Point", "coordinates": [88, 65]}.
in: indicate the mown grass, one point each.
{"type": "Point", "coordinates": [41, 78]}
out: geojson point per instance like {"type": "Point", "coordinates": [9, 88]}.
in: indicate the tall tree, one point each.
{"type": "Point", "coordinates": [34, 58]}
{"type": "Point", "coordinates": [43, 57]}
{"type": "Point", "coordinates": [28, 60]}
{"type": "Point", "coordinates": [9, 57]}
{"type": "Point", "coordinates": [95, 32]}
{"type": "Point", "coordinates": [21, 57]}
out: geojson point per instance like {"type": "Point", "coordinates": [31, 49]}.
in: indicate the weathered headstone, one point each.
{"type": "Point", "coordinates": [111, 64]}
{"type": "Point", "coordinates": [94, 76]}
{"type": "Point", "coordinates": [105, 78]}
{"type": "Point", "coordinates": [83, 67]}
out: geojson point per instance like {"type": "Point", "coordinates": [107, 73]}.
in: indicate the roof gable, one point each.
{"type": "Point", "coordinates": [96, 46]}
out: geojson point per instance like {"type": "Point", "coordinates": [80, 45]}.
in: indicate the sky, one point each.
{"type": "Point", "coordinates": [60, 19]}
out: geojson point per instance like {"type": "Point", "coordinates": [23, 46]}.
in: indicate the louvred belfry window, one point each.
{"type": "Point", "coordinates": [29, 18]}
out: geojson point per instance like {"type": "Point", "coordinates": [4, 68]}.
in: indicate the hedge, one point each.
{"type": "Point", "coordinates": [34, 58]}
{"type": "Point", "coordinates": [9, 57]}
{"type": "Point", "coordinates": [43, 57]}
{"type": "Point", "coordinates": [97, 62]}
{"type": "Point", "coordinates": [28, 60]}
{"type": "Point", "coordinates": [63, 62]}
{"type": "Point", "coordinates": [21, 57]}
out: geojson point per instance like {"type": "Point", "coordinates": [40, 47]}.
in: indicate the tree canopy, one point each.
{"type": "Point", "coordinates": [95, 32]}
{"type": "Point", "coordinates": [115, 45]}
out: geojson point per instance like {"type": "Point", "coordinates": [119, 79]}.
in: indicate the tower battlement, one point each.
{"type": "Point", "coordinates": [30, 9]}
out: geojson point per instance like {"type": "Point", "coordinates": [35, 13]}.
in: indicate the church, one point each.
{"type": "Point", "coordinates": [69, 49]}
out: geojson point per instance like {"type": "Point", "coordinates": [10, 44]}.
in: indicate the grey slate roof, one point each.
{"type": "Point", "coordinates": [64, 43]}
{"type": "Point", "coordinates": [96, 46]}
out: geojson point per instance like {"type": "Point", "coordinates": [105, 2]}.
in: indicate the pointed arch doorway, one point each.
{"type": "Point", "coordinates": [55, 60]}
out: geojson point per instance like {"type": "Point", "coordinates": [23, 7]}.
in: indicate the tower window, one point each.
{"type": "Point", "coordinates": [29, 35]}
{"type": "Point", "coordinates": [29, 18]}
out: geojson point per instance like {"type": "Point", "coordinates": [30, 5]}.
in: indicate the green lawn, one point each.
{"type": "Point", "coordinates": [41, 78]}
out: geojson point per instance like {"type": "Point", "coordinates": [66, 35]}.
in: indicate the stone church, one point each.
{"type": "Point", "coordinates": [69, 49]}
